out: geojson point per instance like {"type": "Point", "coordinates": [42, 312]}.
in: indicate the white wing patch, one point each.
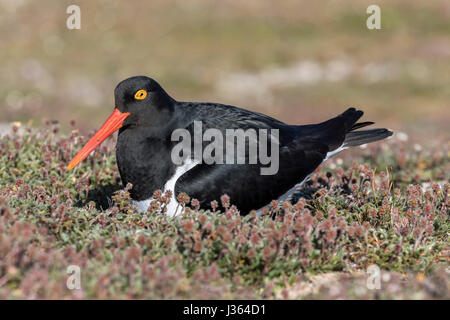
{"type": "Point", "coordinates": [334, 152]}
{"type": "Point", "coordinates": [141, 205]}
{"type": "Point", "coordinates": [169, 185]}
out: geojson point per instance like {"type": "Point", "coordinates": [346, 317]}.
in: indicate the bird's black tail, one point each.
{"type": "Point", "coordinates": [357, 138]}
{"type": "Point", "coordinates": [342, 131]}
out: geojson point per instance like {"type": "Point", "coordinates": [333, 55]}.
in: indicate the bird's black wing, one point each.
{"type": "Point", "coordinates": [222, 117]}
{"type": "Point", "coordinates": [301, 150]}
{"type": "Point", "coordinates": [247, 187]}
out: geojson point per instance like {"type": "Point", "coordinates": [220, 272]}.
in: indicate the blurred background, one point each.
{"type": "Point", "coordinates": [298, 61]}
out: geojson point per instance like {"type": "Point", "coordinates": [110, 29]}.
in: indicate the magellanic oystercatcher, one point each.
{"type": "Point", "coordinates": [146, 117]}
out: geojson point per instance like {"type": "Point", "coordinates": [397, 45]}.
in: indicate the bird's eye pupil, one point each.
{"type": "Point", "coordinates": [140, 95]}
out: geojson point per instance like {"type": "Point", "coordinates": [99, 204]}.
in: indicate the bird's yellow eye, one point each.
{"type": "Point", "coordinates": [140, 95]}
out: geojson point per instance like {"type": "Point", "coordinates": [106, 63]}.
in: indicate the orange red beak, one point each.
{"type": "Point", "coordinates": [111, 125]}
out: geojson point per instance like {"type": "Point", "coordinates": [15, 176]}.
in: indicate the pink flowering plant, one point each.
{"type": "Point", "coordinates": [388, 208]}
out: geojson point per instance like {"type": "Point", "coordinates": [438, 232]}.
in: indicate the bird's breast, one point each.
{"type": "Point", "coordinates": [143, 161]}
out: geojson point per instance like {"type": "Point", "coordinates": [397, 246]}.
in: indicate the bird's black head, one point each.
{"type": "Point", "coordinates": [140, 102]}
{"type": "Point", "coordinates": [145, 100]}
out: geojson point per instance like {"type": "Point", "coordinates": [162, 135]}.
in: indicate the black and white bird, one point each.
{"type": "Point", "coordinates": [146, 116]}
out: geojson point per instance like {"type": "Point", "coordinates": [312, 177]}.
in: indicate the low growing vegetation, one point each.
{"type": "Point", "coordinates": [388, 208]}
